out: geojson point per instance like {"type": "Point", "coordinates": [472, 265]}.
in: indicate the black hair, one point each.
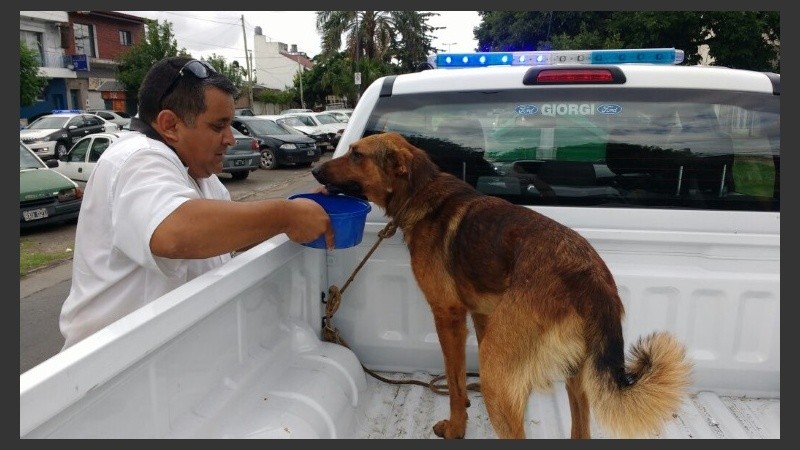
{"type": "Point", "coordinates": [187, 97]}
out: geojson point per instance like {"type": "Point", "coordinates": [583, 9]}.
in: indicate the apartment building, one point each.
{"type": "Point", "coordinates": [77, 52]}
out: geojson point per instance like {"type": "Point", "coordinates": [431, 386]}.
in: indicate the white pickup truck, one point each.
{"type": "Point", "coordinates": [671, 172]}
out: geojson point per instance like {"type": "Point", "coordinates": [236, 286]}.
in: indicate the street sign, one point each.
{"type": "Point", "coordinates": [358, 78]}
{"type": "Point", "coordinates": [80, 63]}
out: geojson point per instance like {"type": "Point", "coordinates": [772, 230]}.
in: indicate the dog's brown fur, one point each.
{"type": "Point", "coordinates": [544, 305]}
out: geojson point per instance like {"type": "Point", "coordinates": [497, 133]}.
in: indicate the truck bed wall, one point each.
{"type": "Point", "coordinates": [236, 352]}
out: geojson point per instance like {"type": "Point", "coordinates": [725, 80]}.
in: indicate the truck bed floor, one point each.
{"type": "Point", "coordinates": [410, 411]}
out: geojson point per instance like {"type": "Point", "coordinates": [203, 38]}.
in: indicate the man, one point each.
{"type": "Point", "coordinates": [154, 213]}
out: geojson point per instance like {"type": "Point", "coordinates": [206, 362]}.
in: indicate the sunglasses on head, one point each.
{"type": "Point", "coordinates": [200, 69]}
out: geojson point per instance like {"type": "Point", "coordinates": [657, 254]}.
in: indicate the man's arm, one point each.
{"type": "Point", "coordinates": [202, 228]}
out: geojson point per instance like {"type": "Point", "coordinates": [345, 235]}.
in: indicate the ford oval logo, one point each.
{"type": "Point", "coordinates": [609, 109]}
{"type": "Point", "coordinates": [527, 110]}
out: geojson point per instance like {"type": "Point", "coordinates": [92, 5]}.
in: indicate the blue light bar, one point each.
{"type": "Point", "coordinates": [555, 57]}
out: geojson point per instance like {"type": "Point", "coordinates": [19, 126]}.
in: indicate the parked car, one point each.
{"type": "Point", "coordinates": [324, 123]}
{"type": "Point", "coordinates": [279, 145]}
{"type": "Point", "coordinates": [78, 163]}
{"type": "Point", "coordinates": [45, 196]}
{"type": "Point", "coordinates": [294, 110]}
{"type": "Point", "coordinates": [343, 115]}
{"type": "Point", "coordinates": [243, 112]}
{"type": "Point", "coordinates": [52, 135]}
{"type": "Point", "coordinates": [320, 136]}
{"type": "Point", "coordinates": [121, 118]}
{"type": "Point", "coordinates": [242, 157]}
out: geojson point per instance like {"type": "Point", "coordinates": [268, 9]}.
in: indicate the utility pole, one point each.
{"type": "Point", "coordinates": [249, 69]}
{"type": "Point", "coordinates": [357, 74]}
{"type": "Point", "coordinates": [300, 68]}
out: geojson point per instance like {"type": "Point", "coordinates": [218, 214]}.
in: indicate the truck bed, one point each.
{"type": "Point", "coordinates": [236, 353]}
{"type": "Point", "coordinates": [410, 411]}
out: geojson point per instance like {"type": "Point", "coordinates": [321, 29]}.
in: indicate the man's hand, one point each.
{"type": "Point", "coordinates": [308, 221]}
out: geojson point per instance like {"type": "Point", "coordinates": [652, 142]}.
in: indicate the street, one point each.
{"type": "Point", "coordinates": [43, 292]}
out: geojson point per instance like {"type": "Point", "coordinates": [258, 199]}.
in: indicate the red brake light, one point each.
{"type": "Point", "coordinates": [575, 76]}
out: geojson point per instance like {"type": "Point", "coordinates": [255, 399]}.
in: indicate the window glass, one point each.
{"type": "Point", "coordinates": [77, 121]}
{"type": "Point", "coordinates": [125, 38]}
{"type": "Point", "coordinates": [78, 152]}
{"type": "Point", "coordinates": [99, 145]}
{"type": "Point", "coordinates": [84, 39]}
{"type": "Point", "coordinates": [600, 147]}
{"type": "Point", "coordinates": [92, 121]}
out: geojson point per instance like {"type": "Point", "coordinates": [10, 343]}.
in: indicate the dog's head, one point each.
{"type": "Point", "coordinates": [380, 168]}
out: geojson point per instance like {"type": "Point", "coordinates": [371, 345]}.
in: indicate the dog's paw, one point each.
{"type": "Point", "coordinates": [444, 429]}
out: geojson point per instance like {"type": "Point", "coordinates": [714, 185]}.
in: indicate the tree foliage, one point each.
{"type": "Point", "coordinates": [376, 43]}
{"type": "Point", "coordinates": [158, 43]}
{"type": "Point", "coordinates": [233, 71]}
{"type": "Point", "coordinates": [737, 39]}
{"type": "Point", "coordinates": [31, 84]}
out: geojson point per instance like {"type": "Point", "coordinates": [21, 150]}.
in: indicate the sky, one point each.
{"type": "Point", "coordinates": [205, 32]}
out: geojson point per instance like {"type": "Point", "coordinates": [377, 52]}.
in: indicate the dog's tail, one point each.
{"type": "Point", "coordinates": [636, 398]}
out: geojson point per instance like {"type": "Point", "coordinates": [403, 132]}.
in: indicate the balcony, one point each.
{"type": "Point", "coordinates": [55, 64]}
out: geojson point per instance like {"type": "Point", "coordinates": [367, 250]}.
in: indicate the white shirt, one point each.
{"type": "Point", "coordinates": [136, 184]}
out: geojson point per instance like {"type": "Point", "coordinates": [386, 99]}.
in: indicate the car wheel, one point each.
{"type": "Point", "coordinates": [61, 149]}
{"type": "Point", "coordinates": [241, 175]}
{"type": "Point", "coordinates": [268, 159]}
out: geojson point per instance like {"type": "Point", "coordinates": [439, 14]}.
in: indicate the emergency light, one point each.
{"type": "Point", "coordinates": [554, 57]}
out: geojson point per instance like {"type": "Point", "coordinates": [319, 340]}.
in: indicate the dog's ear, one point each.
{"type": "Point", "coordinates": [390, 161]}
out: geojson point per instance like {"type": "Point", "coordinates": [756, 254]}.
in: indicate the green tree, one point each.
{"type": "Point", "coordinates": [233, 71]}
{"type": "Point", "coordinates": [31, 84]}
{"type": "Point", "coordinates": [159, 42]}
{"type": "Point", "coordinates": [413, 38]}
{"type": "Point", "coordinates": [376, 43]}
{"type": "Point", "coordinates": [737, 39]}
{"type": "Point", "coordinates": [368, 33]}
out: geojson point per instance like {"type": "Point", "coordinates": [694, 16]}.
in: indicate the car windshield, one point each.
{"type": "Point", "coordinates": [292, 122]}
{"type": "Point", "coordinates": [326, 118]}
{"type": "Point", "coordinates": [27, 160]}
{"type": "Point", "coordinates": [48, 122]}
{"type": "Point", "coordinates": [290, 130]}
{"type": "Point", "coordinates": [267, 127]}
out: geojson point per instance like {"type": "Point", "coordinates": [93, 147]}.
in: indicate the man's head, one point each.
{"type": "Point", "coordinates": [191, 106]}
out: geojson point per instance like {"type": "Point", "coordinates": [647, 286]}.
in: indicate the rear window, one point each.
{"type": "Point", "coordinates": [605, 147]}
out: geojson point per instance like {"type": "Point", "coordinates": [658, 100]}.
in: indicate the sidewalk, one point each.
{"type": "Point", "coordinates": [44, 278]}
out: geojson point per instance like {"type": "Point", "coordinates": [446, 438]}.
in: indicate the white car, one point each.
{"type": "Point", "coordinates": [322, 136]}
{"type": "Point", "coordinates": [51, 135]}
{"type": "Point", "coordinates": [121, 118]}
{"type": "Point", "coordinates": [322, 122]}
{"type": "Point", "coordinates": [343, 115]}
{"type": "Point", "coordinates": [78, 163]}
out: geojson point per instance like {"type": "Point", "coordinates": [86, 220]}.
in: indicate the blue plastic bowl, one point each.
{"type": "Point", "coordinates": [348, 216]}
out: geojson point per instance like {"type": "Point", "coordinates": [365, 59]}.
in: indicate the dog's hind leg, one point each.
{"type": "Point", "coordinates": [479, 322]}
{"type": "Point", "coordinates": [451, 327]}
{"type": "Point", "coordinates": [504, 357]}
{"type": "Point", "coordinates": [578, 406]}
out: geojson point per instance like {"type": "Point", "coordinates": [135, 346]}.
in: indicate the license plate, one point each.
{"type": "Point", "coordinates": [34, 214]}
{"type": "Point", "coordinates": [238, 162]}
{"type": "Point", "coordinates": [310, 152]}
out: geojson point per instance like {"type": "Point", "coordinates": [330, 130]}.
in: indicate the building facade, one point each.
{"type": "Point", "coordinates": [78, 52]}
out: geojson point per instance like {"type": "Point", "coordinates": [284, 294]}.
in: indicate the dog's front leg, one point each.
{"type": "Point", "coordinates": [451, 326]}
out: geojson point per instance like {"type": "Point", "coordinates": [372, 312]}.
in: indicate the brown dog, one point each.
{"type": "Point", "coordinates": [544, 305]}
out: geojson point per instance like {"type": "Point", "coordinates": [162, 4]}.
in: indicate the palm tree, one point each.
{"type": "Point", "coordinates": [377, 35]}
{"type": "Point", "coordinates": [368, 33]}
